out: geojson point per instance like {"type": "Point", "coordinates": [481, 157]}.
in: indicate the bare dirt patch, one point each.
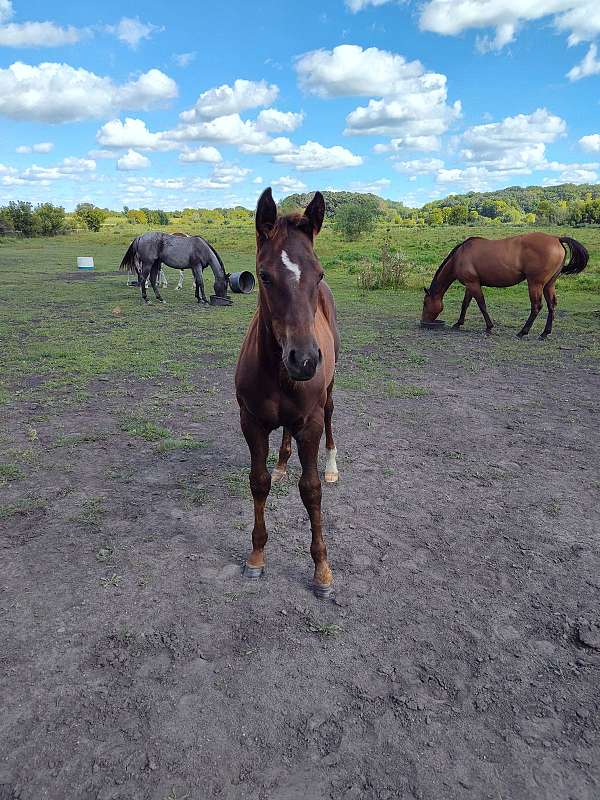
{"type": "Point", "coordinates": [460, 658]}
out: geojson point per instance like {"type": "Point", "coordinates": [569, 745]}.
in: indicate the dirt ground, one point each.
{"type": "Point", "coordinates": [459, 659]}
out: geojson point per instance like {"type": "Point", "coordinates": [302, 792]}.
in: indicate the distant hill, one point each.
{"type": "Point", "coordinates": [333, 200]}
{"type": "Point", "coordinates": [525, 198]}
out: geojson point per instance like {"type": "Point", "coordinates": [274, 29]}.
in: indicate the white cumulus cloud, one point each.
{"type": "Point", "coordinates": [131, 133]}
{"type": "Point", "coordinates": [53, 92]}
{"type": "Point", "coordinates": [288, 184]}
{"type": "Point", "coordinates": [314, 156]}
{"type": "Point", "coordinates": [412, 104]}
{"type": "Point", "coordinates": [131, 31]}
{"type": "Point", "coordinates": [204, 154]}
{"type": "Point", "coordinates": [591, 143]}
{"type": "Point", "coordinates": [514, 145]}
{"type": "Point", "coordinates": [227, 100]}
{"type": "Point", "coordinates": [132, 160]}
{"type": "Point", "coordinates": [270, 119]}
{"type": "Point", "coordinates": [579, 18]}
{"type": "Point", "coordinates": [589, 65]}
{"type": "Point", "coordinates": [359, 5]}
{"type": "Point", "coordinates": [39, 34]}
{"type": "Point", "coordinates": [41, 147]}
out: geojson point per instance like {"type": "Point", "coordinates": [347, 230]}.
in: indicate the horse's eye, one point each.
{"type": "Point", "coordinates": [265, 277]}
{"type": "Point", "coordinates": [321, 276]}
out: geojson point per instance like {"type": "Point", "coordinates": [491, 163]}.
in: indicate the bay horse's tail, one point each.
{"type": "Point", "coordinates": [129, 259]}
{"type": "Point", "coordinates": [579, 256]}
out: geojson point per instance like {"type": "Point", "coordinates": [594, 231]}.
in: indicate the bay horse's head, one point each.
{"type": "Point", "coordinates": [433, 304]}
{"type": "Point", "coordinates": [289, 274]}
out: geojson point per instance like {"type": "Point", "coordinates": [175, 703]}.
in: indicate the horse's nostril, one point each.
{"type": "Point", "coordinates": [320, 355]}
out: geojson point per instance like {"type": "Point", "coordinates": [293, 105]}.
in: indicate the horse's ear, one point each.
{"type": "Point", "coordinates": [266, 214]}
{"type": "Point", "coordinates": [426, 290]}
{"type": "Point", "coordinates": [314, 214]}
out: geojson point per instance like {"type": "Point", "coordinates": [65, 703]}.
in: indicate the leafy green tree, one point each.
{"type": "Point", "coordinates": [23, 218]}
{"type": "Point", "coordinates": [459, 215]}
{"type": "Point", "coordinates": [434, 217]}
{"type": "Point", "coordinates": [91, 216]}
{"type": "Point", "coordinates": [50, 218]}
{"type": "Point", "coordinates": [351, 220]}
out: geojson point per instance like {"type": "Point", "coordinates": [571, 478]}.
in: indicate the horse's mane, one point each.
{"type": "Point", "coordinates": [282, 225]}
{"type": "Point", "coordinates": [214, 252]}
{"type": "Point", "coordinates": [452, 252]}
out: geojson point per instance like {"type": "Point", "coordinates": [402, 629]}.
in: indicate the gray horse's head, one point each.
{"type": "Point", "coordinates": [221, 284]}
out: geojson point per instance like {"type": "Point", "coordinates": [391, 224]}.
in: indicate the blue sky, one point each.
{"type": "Point", "coordinates": [173, 105]}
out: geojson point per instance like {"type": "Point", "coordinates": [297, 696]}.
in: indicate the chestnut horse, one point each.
{"type": "Point", "coordinates": [534, 257]}
{"type": "Point", "coordinates": [285, 370]}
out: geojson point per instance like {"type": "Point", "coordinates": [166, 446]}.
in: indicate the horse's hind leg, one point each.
{"type": "Point", "coordinates": [260, 485]}
{"type": "Point", "coordinates": [551, 302]}
{"type": "Point", "coordinates": [144, 273]}
{"type": "Point", "coordinates": [310, 492]}
{"type": "Point", "coordinates": [285, 451]}
{"type": "Point", "coordinates": [154, 274]}
{"type": "Point", "coordinates": [331, 470]}
{"type": "Point", "coordinates": [180, 281]}
{"type": "Point", "coordinates": [535, 296]}
{"type": "Point", "coordinates": [463, 311]}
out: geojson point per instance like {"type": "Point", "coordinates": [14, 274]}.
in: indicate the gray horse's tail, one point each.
{"type": "Point", "coordinates": [130, 257]}
{"type": "Point", "coordinates": [579, 256]}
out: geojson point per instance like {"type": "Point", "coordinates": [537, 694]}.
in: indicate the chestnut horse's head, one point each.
{"type": "Point", "coordinates": [289, 274]}
{"type": "Point", "coordinates": [433, 305]}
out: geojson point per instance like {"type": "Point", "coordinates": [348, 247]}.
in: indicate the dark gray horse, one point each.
{"type": "Point", "coordinates": [147, 252]}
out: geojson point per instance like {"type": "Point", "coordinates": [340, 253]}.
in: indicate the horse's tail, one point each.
{"type": "Point", "coordinates": [579, 256]}
{"type": "Point", "coordinates": [130, 257]}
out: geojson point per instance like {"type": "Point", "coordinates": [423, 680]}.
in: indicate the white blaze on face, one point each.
{"type": "Point", "coordinates": [289, 264]}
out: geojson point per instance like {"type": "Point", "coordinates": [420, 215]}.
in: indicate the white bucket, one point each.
{"type": "Point", "coordinates": [85, 262]}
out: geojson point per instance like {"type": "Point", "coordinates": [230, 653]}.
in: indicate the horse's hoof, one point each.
{"type": "Point", "coordinates": [543, 337]}
{"type": "Point", "coordinates": [323, 591]}
{"type": "Point", "coordinates": [278, 475]}
{"type": "Point", "coordinates": [253, 573]}
{"type": "Point", "coordinates": [332, 477]}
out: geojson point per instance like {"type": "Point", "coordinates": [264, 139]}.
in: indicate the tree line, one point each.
{"type": "Point", "coordinates": [350, 213]}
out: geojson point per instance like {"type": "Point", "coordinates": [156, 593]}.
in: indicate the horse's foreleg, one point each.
{"type": "Point", "coordinates": [285, 451]}
{"type": "Point", "coordinates": [180, 281]}
{"type": "Point", "coordinates": [535, 296]}
{"type": "Point", "coordinates": [551, 302]}
{"type": "Point", "coordinates": [310, 491]}
{"type": "Point", "coordinates": [260, 484]}
{"type": "Point", "coordinates": [475, 290]}
{"type": "Point", "coordinates": [199, 284]}
{"type": "Point", "coordinates": [331, 470]}
{"type": "Point", "coordinates": [463, 310]}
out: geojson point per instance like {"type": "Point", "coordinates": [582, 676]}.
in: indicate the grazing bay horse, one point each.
{"type": "Point", "coordinates": [533, 257]}
{"type": "Point", "coordinates": [147, 252]}
{"type": "Point", "coordinates": [285, 370]}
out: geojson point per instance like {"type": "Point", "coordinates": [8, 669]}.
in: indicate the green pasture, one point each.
{"type": "Point", "coordinates": [61, 330]}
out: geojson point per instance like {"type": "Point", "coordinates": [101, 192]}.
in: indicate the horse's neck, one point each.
{"type": "Point", "coordinates": [445, 278]}
{"type": "Point", "coordinates": [269, 352]}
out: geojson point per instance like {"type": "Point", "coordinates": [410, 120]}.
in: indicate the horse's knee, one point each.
{"type": "Point", "coordinates": [260, 484]}
{"type": "Point", "coordinates": [310, 490]}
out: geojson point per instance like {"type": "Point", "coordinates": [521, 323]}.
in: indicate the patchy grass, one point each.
{"type": "Point", "coordinates": [184, 442]}
{"type": "Point", "coordinates": [149, 431]}
{"type": "Point", "coordinates": [27, 505]}
{"type": "Point", "coordinates": [91, 512]}
{"type": "Point", "coordinates": [10, 472]}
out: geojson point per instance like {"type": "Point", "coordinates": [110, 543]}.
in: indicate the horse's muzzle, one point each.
{"type": "Point", "coordinates": [302, 365]}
